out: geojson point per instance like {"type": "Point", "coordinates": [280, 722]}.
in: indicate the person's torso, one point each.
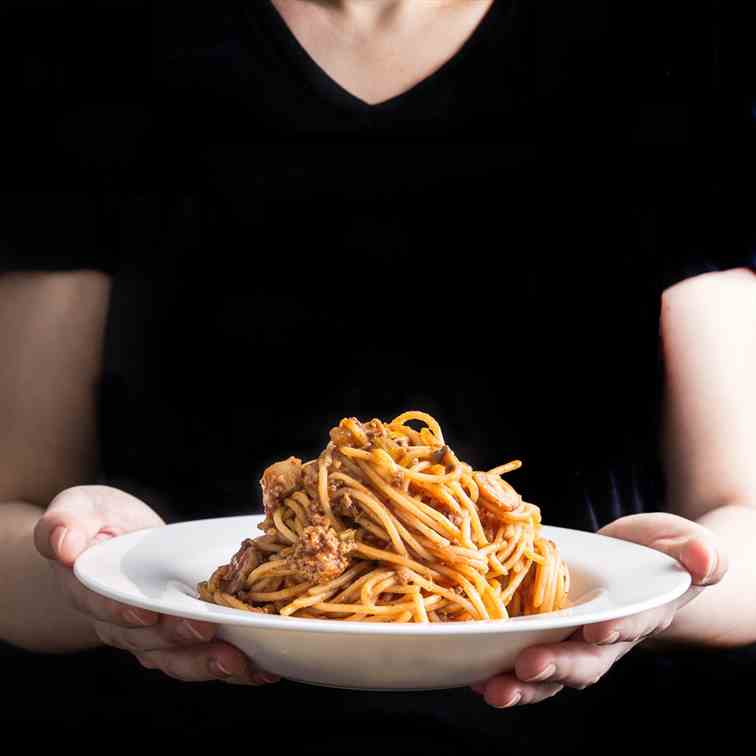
{"type": "Point", "coordinates": [462, 249]}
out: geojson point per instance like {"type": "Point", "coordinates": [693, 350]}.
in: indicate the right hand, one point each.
{"type": "Point", "coordinates": [183, 649]}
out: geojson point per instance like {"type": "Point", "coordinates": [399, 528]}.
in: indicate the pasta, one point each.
{"type": "Point", "coordinates": [388, 525]}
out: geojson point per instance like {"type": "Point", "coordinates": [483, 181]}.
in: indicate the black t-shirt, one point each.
{"type": "Point", "coordinates": [490, 246]}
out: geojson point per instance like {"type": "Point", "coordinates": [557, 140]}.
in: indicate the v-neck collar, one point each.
{"type": "Point", "coordinates": [328, 87]}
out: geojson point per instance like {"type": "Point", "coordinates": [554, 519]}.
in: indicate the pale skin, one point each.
{"type": "Point", "coordinates": [51, 331]}
{"type": "Point", "coordinates": [363, 44]}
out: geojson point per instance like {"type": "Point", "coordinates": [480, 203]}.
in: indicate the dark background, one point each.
{"type": "Point", "coordinates": [550, 352]}
{"type": "Point", "coordinates": [104, 699]}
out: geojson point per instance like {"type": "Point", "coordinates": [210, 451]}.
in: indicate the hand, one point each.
{"type": "Point", "coordinates": [542, 671]}
{"type": "Point", "coordinates": [185, 650]}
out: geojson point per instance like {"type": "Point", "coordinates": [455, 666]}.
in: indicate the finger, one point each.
{"type": "Point", "coordinates": [691, 544]}
{"type": "Point", "coordinates": [505, 691]}
{"type": "Point", "coordinates": [706, 563]}
{"type": "Point", "coordinates": [69, 524]}
{"type": "Point", "coordinates": [573, 663]}
{"type": "Point", "coordinates": [99, 607]}
{"type": "Point", "coordinates": [209, 661]}
{"type": "Point", "coordinates": [82, 515]}
{"type": "Point", "coordinates": [169, 632]}
{"type": "Point", "coordinates": [631, 629]}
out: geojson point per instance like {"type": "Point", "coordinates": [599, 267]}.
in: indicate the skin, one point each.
{"type": "Point", "coordinates": [363, 44]}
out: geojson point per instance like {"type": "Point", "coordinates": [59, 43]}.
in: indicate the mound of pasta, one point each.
{"type": "Point", "coordinates": [387, 525]}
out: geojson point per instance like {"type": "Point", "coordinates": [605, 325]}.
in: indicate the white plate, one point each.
{"type": "Point", "coordinates": [159, 569]}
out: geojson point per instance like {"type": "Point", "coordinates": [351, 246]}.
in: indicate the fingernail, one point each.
{"type": "Point", "coordinates": [544, 674]}
{"type": "Point", "coordinates": [512, 701]}
{"type": "Point", "coordinates": [611, 638]}
{"type": "Point", "coordinates": [144, 661]}
{"type": "Point", "coordinates": [712, 568]}
{"type": "Point", "coordinates": [75, 542]}
{"type": "Point", "coordinates": [217, 669]}
{"type": "Point", "coordinates": [135, 617]}
{"type": "Point", "coordinates": [57, 538]}
{"type": "Point", "coordinates": [268, 678]}
{"type": "Point", "coordinates": [189, 632]}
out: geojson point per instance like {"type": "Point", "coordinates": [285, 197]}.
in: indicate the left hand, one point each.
{"type": "Point", "coordinates": [542, 671]}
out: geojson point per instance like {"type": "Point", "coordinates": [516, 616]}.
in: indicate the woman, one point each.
{"type": "Point", "coordinates": [357, 208]}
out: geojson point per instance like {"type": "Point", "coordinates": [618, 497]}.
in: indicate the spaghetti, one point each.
{"type": "Point", "coordinates": [387, 525]}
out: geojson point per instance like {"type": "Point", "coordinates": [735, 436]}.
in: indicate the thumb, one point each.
{"type": "Point", "coordinates": [71, 523]}
{"type": "Point", "coordinates": [691, 544]}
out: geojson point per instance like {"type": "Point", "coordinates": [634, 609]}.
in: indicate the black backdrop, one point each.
{"type": "Point", "coordinates": [650, 701]}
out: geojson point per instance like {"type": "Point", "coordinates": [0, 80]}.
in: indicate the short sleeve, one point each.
{"type": "Point", "coordinates": [75, 119]}
{"type": "Point", "coordinates": [686, 107]}
{"type": "Point", "coordinates": [57, 230]}
{"type": "Point", "coordinates": [693, 130]}
{"type": "Point", "coordinates": [705, 223]}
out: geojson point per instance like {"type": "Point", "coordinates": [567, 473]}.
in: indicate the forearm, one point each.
{"type": "Point", "coordinates": [33, 612]}
{"type": "Point", "coordinates": [724, 615]}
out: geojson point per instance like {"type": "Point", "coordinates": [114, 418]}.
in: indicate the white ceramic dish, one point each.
{"type": "Point", "coordinates": [158, 569]}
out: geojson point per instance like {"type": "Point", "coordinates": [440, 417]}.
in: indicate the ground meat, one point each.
{"type": "Point", "coordinates": [344, 506]}
{"type": "Point", "coordinates": [341, 437]}
{"type": "Point", "coordinates": [371, 539]}
{"type": "Point", "coordinates": [374, 428]}
{"type": "Point", "coordinates": [242, 563]}
{"type": "Point", "coordinates": [402, 574]}
{"type": "Point", "coordinates": [316, 515]}
{"type": "Point", "coordinates": [320, 555]}
{"type": "Point", "coordinates": [492, 490]}
{"type": "Point", "coordinates": [490, 523]}
{"type": "Point", "coordinates": [266, 524]}
{"type": "Point", "coordinates": [279, 481]}
{"type": "Point", "coordinates": [439, 455]}
{"type": "Point", "coordinates": [245, 597]}
{"type": "Point", "coordinates": [455, 519]}
{"type": "Point", "coordinates": [313, 510]}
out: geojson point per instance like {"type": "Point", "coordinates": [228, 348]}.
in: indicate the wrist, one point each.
{"type": "Point", "coordinates": [34, 612]}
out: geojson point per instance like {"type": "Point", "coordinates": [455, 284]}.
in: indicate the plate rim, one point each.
{"type": "Point", "coordinates": [227, 616]}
